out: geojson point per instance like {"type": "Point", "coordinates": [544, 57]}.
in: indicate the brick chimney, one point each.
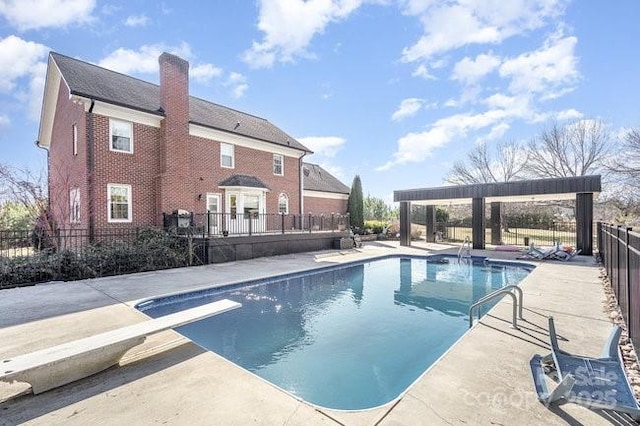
{"type": "Point", "coordinates": [176, 188]}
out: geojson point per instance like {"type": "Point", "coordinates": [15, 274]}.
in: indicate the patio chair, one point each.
{"type": "Point", "coordinates": [596, 383]}
{"type": "Point", "coordinates": [565, 255]}
{"type": "Point", "coordinates": [539, 253]}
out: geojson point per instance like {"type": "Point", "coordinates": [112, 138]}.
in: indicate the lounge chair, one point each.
{"type": "Point", "coordinates": [540, 253]}
{"type": "Point", "coordinates": [565, 255]}
{"type": "Point", "coordinates": [597, 383]}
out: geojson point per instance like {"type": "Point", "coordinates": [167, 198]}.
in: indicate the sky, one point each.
{"type": "Point", "coordinates": [392, 91]}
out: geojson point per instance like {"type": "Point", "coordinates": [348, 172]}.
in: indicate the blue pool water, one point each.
{"type": "Point", "coordinates": [348, 337]}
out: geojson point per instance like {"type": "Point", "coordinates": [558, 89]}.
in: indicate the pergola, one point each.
{"type": "Point", "coordinates": [579, 188]}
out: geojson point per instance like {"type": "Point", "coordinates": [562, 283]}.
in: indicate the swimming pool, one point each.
{"type": "Point", "coordinates": [347, 337]}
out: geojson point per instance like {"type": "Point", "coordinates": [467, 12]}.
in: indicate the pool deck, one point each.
{"type": "Point", "coordinates": [483, 379]}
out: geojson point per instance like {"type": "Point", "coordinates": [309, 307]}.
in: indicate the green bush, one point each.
{"type": "Point", "coordinates": [376, 226]}
{"type": "Point", "coordinates": [151, 249]}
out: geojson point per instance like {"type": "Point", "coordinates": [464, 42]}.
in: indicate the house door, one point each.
{"type": "Point", "coordinates": [214, 213]}
{"type": "Point", "coordinates": [246, 212]}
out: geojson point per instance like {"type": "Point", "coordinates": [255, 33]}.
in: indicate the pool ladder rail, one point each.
{"type": "Point", "coordinates": [517, 303]}
{"type": "Point", "coordinates": [465, 250]}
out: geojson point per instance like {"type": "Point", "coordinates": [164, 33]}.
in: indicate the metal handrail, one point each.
{"type": "Point", "coordinates": [466, 246]}
{"type": "Point", "coordinates": [517, 307]}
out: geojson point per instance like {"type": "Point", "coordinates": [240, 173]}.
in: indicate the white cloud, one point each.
{"type": "Point", "coordinates": [34, 14]}
{"type": "Point", "coordinates": [325, 146]}
{"type": "Point", "coordinates": [569, 114]}
{"type": "Point", "coordinates": [136, 21]}
{"type": "Point", "coordinates": [144, 60]}
{"type": "Point", "coordinates": [18, 58]}
{"type": "Point", "coordinates": [4, 120]}
{"type": "Point", "coordinates": [238, 84]}
{"type": "Point", "coordinates": [470, 71]}
{"type": "Point", "coordinates": [22, 72]}
{"type": "Point", "coordinates": [464, 22]}
{"type": "Point", "coordinates": [546, 70]}
{"type": "Point", "coordinates": [416, 147]}
{"type": "Point", "coordinates": [423, 71]}
{"type": "Point", "coordinates": [407, 108]}
{"type": "Point", "coordinates": [204, 73]}
{"type": "Point", "coordinates": [290, 25]}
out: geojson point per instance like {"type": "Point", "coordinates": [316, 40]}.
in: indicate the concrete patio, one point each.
{"type": "Point", "coordinates": [483, 379]}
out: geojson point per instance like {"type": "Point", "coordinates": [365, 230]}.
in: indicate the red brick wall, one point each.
{"type": "Point", "coordinates": [316, 205]}
{"type": "Point", "coordinates": [207, 173]}
{"type": "Point", "coordinates": [67, 171]}
{"type": "Point", "coordinates": [139, 170]}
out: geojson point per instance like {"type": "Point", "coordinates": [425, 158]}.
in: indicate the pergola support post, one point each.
{"type": "Point", "coordinates": [496, 223]}
{"type": "Point", "coordinates": [405, 223]}
{"type": "Point", "coordinates": [584, 223]}
{"type": "Point", "coordinates": [431, 224]}
{"type": "Point", "coordinates": [477, 223]}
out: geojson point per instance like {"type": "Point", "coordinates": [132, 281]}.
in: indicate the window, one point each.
{"type": "Point", "coordinates": [226, 155]}
{"type": "Point", "coordinates": [278, 165]}
{"type": "Point", "coordinates": [120, 136]}
{"type": "Point", "coordinates": [119, 203]}
{"type": "Point", "coordinates": [74, 129]}
{"type": "Point", "coordinates": [233, 203]}
{"type": "Point", "coordinates": [283, 204]}
{"type": "Point", "coordinates": [251, 206]}
{"type": "Point", "coordinates": [74, 205]}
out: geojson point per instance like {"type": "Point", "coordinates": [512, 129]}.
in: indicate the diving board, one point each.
{"type": "Point", "coordinates": [56, 366]}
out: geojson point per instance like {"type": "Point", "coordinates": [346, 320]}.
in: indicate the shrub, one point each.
{"type": "Point", "coordinates": [376, 226]}
{"type": "Point", "coordinates": [151, 249]}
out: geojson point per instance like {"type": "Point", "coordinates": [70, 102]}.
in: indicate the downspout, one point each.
{"type": "Point", "coordinates": [90, 168]}
{"type": "Point", "coordinates": [301, 171]}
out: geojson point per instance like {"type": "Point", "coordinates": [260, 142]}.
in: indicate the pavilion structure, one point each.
{"type": "Point", "coordinates": [578, 188]}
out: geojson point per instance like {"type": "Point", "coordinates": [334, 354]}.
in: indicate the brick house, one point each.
{"type": "Point", "coordinates": [122, 151]}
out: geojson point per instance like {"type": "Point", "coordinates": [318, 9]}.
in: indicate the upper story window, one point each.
{"type": "Point", "coordinates": [119, 204]}
{"type": "Point", "coordinates": [74, 205]}
{"type": "Point", "coordinates": [74, 131]}
{"type": "Point", "coordinates": [283, 204]}
{"type": "Point", "coordinates": [278, 165]}
{"type": "Point", "coordinates": [227, 156]}
{"type": "Point", "coordinates": [120, 136]}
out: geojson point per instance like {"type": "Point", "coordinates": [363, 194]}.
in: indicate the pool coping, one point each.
{"type": "Point", "coordinates": [103, 303]}
{"type": "Point", "coordinates": [143, 303]}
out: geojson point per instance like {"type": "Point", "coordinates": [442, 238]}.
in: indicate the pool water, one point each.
{"type": "Point", "coordinates": [349, 337]}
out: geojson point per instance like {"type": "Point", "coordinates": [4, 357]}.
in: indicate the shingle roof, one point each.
{"type": "Point", "coordinates": [243, 180]}
{"type": "Point", "coordinates": [318, 179]}
{"type": "Point", "coordinates": [91, 81]}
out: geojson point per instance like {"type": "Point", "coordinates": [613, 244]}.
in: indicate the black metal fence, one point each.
{"type": "Point", "coordinates": [557, 232]}
{"type": "Point", "coordinates": [28, 257]}
{"type": "Point", "coordinates": [241, 224]}
{"type": "Point", "coordinates": [619, 249]}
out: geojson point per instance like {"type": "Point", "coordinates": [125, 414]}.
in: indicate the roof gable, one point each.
{"type": "Point", "coordinates": [318, 179]}
{"type": "Point", "coordinates": [94, 82]}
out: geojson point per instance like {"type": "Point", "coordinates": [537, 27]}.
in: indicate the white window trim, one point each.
{"type": "Point", "coordinates": [240, 194]}
{"type": "Point", "coordinates": [129, 204]}
{"type": "Point", "coordinates": [75, 139]}
{"type": "Point", "coordinates": [130, 124]}
{"type": "Point", "coordinates": [233, 156]}
{"type": "Point", "coordinates": [286, 197]}
{"type": "Point", "coordinates": [74, 198]}
{"type": "Point", "coordinates": [281, 164]}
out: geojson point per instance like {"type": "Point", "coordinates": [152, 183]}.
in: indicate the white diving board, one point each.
{"type": "Point", "coordinates": [56, 366]}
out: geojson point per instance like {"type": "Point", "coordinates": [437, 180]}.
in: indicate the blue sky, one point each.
{"type": "Point", "coordinates": [394, 91]}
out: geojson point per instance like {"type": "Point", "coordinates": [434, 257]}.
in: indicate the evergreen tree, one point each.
{"type": "Point", "coordinates": [354, 204]}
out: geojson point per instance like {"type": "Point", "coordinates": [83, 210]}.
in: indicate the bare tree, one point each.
{"type": "Point", "coordinates": [627, 165]}
{"type": "Point", "coordinates": [25, 188]}
{"type": "Point", "coordinates": [575, 149]}
{"type": "Point", "coordinates": [506, 163]}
